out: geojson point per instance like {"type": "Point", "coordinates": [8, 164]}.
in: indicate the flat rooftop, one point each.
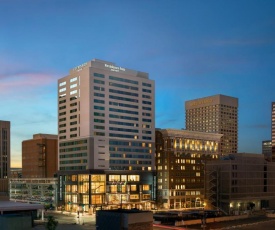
{"type": "Point", "coordinates": [18, 206]}
{"type": "Point", "coordinates": [125, 210]}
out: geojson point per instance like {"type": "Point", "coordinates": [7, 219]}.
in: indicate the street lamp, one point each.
{"type": "Point", "coordinates": [203, 219]}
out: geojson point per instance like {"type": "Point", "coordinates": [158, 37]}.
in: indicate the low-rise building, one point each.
{"type": "Point", "coordinates": [34, 190]}
{"type": "Point", "coordinates": [239, 182]}
{"type": "Point", "coordinates": [133, 219]}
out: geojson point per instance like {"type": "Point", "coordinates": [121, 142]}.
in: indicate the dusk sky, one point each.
{"type": "Point", "coordinates": [191, 49]}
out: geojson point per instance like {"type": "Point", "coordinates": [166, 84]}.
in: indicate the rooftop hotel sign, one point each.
{"type": "Point", "coordinates": [114, 68]}
{"type": "Point", "coordinates": [78, 68]}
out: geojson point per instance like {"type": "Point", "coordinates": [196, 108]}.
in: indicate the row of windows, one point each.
{"type": "Point", "coordinates": [99, 75]}
{"type": "Point", "coordinates": [123, 86]}
{"type": "Point", "coordinates": [99, 121]}
{"type": "Point", "coordinates": [80, 142]}
{"type": "Point", "coordinates": [99, 101]}
{"type": "Point", "coordinates": [143, 150]}
{"type": "Point", "coordinates": [130, 162]}
{"type": "Point", "coordinates": [127, 143]}
{"type": "Point", "coordinates": [123, 117]}
{"type": "Point", "coordinates": [73, 149]}
{"type": "Point", "coordinates": [123, 92]}
{"type": "Point", "coordinates": [117, 155]}
{"type": "Point", "coordinates": [73, 168]}
{"type": "Point", "coordinates": [123, 105]}
{"type": "Point", "coordinates": [99, 81]}
{"type": "Point", "coordinates": [123, 130]}
{"type": "Point", "coordinates": [73, 155]}
{"type": "Point", "coordinates": [123, 123]}
{"type": "Point", "coordinates": [123, 111]}
{"type": "Point", "coordinates": [123, 99]}
{"type": "Point", "coordinates": [99, 127]}
{"type": "Point", "coordinates": [123, 80]}
{"type": "Point", "coordinates": [73, 162]}
{"type": "Point", "coordinates": [97, 114]}
{"type": "Point", "coordinates": [146, 90]}
{"type": "Point", "coordinates": [99, 88]}
{"type": "Point", "coordinates": [146, 96]}
{"type": "Point", "coordinates": [99, 107]}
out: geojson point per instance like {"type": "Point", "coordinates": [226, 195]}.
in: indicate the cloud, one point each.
{"type": "Point", "coordinates": [26, 79]}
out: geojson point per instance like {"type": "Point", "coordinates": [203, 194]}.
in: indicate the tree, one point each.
{"type": "Point", "coordinates": [51, 223]}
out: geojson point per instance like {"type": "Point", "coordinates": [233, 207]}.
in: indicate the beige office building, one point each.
{"type": "Point", "coordinates": [4, 149]}
{"type": "Point", "coordinates": [106, 118]}
{"type": "Point", "coordinates": [215, 114]}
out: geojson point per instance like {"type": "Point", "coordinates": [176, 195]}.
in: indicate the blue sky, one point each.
{"type": "Point", "coordinates": [191, 49]}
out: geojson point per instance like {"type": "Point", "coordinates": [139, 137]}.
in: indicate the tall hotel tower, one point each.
{"type": "Point", "coordinates": [4, 149]}
{"type": "Point", "coordinates": [215, 114]}
{"type": "Point", "coordinates": [106, 118]}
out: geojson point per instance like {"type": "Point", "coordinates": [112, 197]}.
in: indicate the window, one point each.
{"type": "Point", "coordinates": [73, 79]}
{"type": "Point", "coordinates": [133, 187]}
{"type": "Point", "coordinates": [146, 84]}
{"type": "Point", "coordinates": [99, 81]}
{"type": "Point", "coordinates": [123, 80]}
{"type": "Point", "coordinates": [146, 90]}
{"type": "Point", "coordinates": [99, 101]}
{"type": "Point", "coordinates": [62, 83]}
{"type": "Point", "coordinates": [62, 90]}
{"type": "Point", "coordinates": [99, 75]}
{"type": "Point", "coordinates": [134, 197]}
{"type": "Point", "coordinates": [146, 187]}
{"type": "Point", "coordinates": [73, 86]}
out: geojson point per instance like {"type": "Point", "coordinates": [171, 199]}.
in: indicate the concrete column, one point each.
{"type": "Point", "coordinates": [42, 214]}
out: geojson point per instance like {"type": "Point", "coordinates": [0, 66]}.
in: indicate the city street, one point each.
{"type": "Point", "coordinates": [69, 221]}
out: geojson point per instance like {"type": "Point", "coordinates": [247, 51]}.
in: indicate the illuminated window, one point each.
{"type": "Point", "coordinates": [133, 177]}
{"type": "Point", "coordinates": [146, 187]}
{"type": "Point", "coordinates": [133, 187]}
{"type": "Point", "coordinates": [114, 177]}
{"type": "Point", "coordinates": [134, 197]}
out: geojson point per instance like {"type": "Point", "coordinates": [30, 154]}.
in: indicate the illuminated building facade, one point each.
{"type": "Point", "coordinates": [108, 189]}
{"type": "Point", "coordinates": [215, 114]}
{"type": "Point", "coordinates": [39, 156]}
{"type": "Point", "coordinates": [4, 149]}
{"type": "Point", "coordinates": [181, 156]}
{"type": "Point", "coordinates": [106, 118]}
{"type": "Point", "coordinates": [106, 131]}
